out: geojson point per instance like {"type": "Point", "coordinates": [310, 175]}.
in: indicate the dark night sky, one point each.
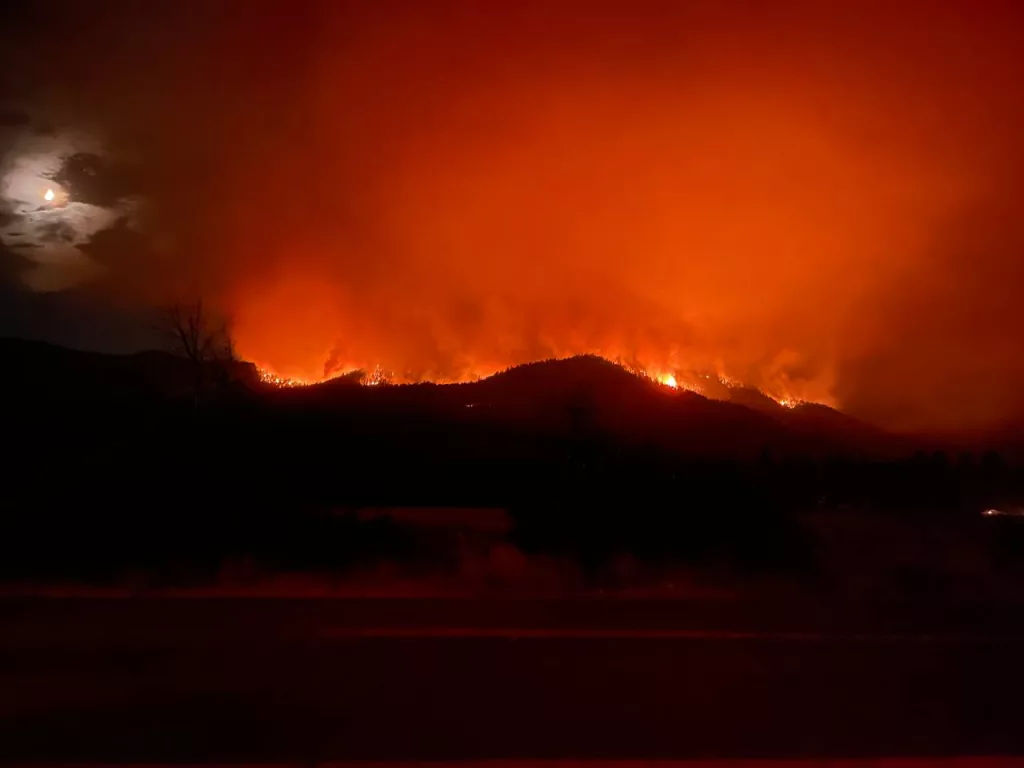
{"type": "Point", "coordinates": [819, 199]}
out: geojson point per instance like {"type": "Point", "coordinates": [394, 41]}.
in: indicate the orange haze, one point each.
{"type": "Point", "coordinates": [819, 199]}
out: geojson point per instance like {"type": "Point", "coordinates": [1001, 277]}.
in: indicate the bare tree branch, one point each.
{"type": "Point", "coordinates": [190, 332]}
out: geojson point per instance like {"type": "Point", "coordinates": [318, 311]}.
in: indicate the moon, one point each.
{"type": "Point", "coordinates": [46, 217]}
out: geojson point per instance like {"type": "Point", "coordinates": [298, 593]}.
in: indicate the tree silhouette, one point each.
{"type": "Point", "coordinates": [193, 333]}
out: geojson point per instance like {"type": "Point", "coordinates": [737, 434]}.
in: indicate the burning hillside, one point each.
{"type": "Point", "coordinates": [716, 386]}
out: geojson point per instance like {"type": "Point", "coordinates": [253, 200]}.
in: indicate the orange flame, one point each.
{"type": "Point", "coordinates": [672, 380]}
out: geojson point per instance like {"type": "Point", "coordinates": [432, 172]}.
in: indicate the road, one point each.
{"type": "Point", "coordinates": [283, 680]}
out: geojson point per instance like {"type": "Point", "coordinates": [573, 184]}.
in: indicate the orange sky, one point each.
{"type": "Point", "coordinates": [814, 199]}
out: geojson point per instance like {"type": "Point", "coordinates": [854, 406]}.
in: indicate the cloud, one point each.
{"type": "Point", "coordinates": [49, 234]}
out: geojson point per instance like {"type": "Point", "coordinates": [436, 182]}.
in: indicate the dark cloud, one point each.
{"type": "Point", "coordinates": [94, 179]}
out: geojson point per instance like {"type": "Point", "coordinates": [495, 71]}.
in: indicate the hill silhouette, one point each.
{"type": "Point", "coordinates": [590, 395]}
{"type": "Point", "coordinates": [40, 373]}
{"type": "Point", "coordinates": [578, 396]}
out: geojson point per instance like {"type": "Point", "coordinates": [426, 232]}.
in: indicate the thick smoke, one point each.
{"type": "Point", "coordinates": [816, 201]}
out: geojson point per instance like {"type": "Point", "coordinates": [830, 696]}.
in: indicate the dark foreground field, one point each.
{"type": "Point", "coordinates": [283, 680]}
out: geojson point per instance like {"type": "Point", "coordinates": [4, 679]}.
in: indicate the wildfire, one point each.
{"type": "Point", "coordinates": [672, 381]}
{"type": "Point", "coordinates": [376, 377]}
{"type": "Point", "coordinates": [271, 378]}
{"type": "Point", "coordinates": [701, 384]}
{"type": "Point", "coordinates": [726, 381]}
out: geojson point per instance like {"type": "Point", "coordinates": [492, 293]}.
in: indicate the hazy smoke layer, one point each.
{"type": "Point", "coordinates": [817, 200]}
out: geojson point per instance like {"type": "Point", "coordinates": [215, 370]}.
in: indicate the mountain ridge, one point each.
{"type": "Point", "coordinates": [582, 395]}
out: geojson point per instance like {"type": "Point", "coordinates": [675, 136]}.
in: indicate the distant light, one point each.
{"type": "Point", "coordinates": [48, 197]}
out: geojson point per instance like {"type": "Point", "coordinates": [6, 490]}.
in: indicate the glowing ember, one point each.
{"type": "Point", "coordinates": [48, 197]}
